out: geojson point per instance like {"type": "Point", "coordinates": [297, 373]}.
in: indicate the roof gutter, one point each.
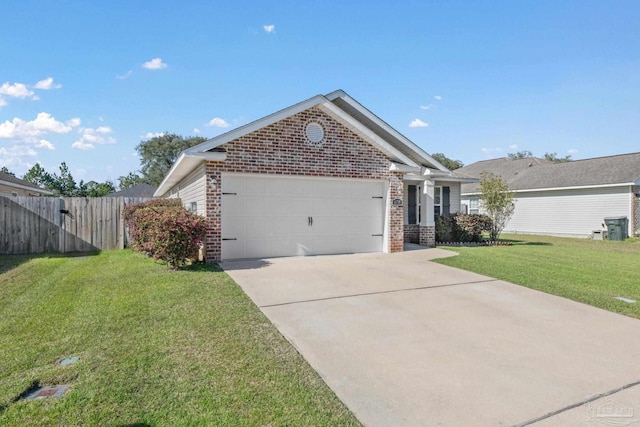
{"type": "Point", "coordinates": [575, 187]}
{"type": "Point", "coordinates": [25, 187]}
{"type": "Point", "coordinates": [186, 163]}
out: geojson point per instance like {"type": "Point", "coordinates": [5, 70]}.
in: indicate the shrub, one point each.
{"type": "Point", "coordinates": [165, 230]}
{"type": "Point", "coordinates": [461, 228]}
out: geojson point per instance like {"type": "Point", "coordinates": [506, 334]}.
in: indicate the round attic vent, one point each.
{"type": "Point", "coordinates": [315, 132]}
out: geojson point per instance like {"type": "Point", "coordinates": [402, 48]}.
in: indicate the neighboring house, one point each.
{"type": "Point", "coordinates": [564, 199]}
{"type": "Point", "coordinates": [140, 190]}
{"type": "Point", "coordinates": [323, 176]}
{"type": "Point", "coordinates": [12, 186]}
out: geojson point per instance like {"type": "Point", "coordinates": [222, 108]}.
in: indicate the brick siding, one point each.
{"type": "Point", "coordinates": [282, 149]}
{"type": "Point", "coordinates": [412, 233]}
{"type": "Point", "coordinates": [428, 236]}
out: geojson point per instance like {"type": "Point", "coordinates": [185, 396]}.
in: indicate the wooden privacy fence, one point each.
{"type": "Point", "coordinates": [31, 225]}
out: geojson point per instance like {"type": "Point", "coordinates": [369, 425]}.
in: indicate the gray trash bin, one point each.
{"type": "Point", "coordinates": [617, 227]}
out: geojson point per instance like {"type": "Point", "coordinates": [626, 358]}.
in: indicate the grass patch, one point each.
{"type": "Point", "coordinates": [156, 347]}
{"type": "Point", "coordinates": [588, 271]}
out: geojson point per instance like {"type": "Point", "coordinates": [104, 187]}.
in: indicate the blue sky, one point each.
{"type": "Point", "coordinates": [85, 82]}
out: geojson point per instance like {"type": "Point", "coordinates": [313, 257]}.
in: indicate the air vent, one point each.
{"type": "Point", "coordinates": [315, 132]}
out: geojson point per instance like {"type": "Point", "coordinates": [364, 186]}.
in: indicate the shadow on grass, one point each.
{"type": "Point", "coordinates": [9, 262]}
{"type": "Point", "coordinates": [26, 392]}
{"type": "Point", "coordinates": [526, 243]}
{"type": "Point", "coordinates": [201, 267]}
{"type": "Point", "coordinates": [135, 425]}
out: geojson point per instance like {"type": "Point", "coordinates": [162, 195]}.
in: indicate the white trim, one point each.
{"type": "Point", "coordinates": [575, 187]}
{"type": "Point", "coordinates": [397, 167]}
{"type": "Point", "coordinates": [359, 128]}
{"type": "Point", "coordinates": [186, 163]}
{"type": "Point", "coordinates": [25, 187]}
{"type": "Point", "coordinates": [258, 124]}
{"type": "Point", "coordinates": [342, 94]}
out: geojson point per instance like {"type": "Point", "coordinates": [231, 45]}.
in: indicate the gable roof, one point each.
{"type": "Point", "coordinates": [11, 181]}
{"type": "Point", "coordinates": [536, 174]}
{"type": "Point", "coordinates": [140, 190]}
{"type": "Point", "coordinates": [337, 105]}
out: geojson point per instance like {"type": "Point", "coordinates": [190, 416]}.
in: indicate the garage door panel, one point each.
{"type": "Point", "coordinates": [270, 216]}
{"type": "Point", "coordinates": [231, 203]}
{"type": "Point", "coordinates": [251, 204]}
{"type": "Point", "coordinates": [278, 205]}
{"type": "Point", "coordinates": [254, 187]}
{"type": "Point", "coordinates": [254, 226]}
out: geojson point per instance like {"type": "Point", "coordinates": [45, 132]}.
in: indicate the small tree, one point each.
{"type": "Point", "coordinates": [497, 202]}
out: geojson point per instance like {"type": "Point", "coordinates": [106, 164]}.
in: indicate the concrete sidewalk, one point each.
{"type": "Point", "coordinates": [407, 342]}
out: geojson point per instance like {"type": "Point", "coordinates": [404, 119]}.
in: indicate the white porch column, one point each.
{"type": "Point", "coordinates": [426, 204]}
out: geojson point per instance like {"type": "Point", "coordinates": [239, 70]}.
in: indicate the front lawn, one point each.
{"type": "Point", "coordinates": [583, 270]}
{"type": "Point", "coordinates": [156, 348]}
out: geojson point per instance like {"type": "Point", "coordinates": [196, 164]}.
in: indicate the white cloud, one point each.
{"type": "Point", "coordinates": [42, 124]}
{"type": "Point", "coordinates": [47, 84]}
{"type": "Point", "coordinates": [15, 90]}
{"type": "Point", "coordinates": [514, 146]}
{"type": "Point", "coordinates": [417, 123]}
{"type": "Point", "coordinates": [127, 74]}
{"type": "Point", "coordinates": [154, 64]}
{"type": "Point", "coordinates": [572, 151]}
{"type": "Point", "coordinates": [196, 130]}
{"type": "Point", "coordinates": [437, 98]}
{"type": "Point", "coordinates": [90, 137]}
{"type": "Point", "coordinates": [81, 145]}
{"type": "Point", "coordinates": [17, 151]}
{"type": "Point", "coordinates": [150, 135]}
{"type": "Point", "coordinates": [14, 158]}
{"type": "Point", "coordinates": [75, 122]}
{"type": "Point", "coordinates": [218, 122]}
{"type": "Point", "coordinates": [22, 91]}
{"type": "Point", "coordinates": [43, 143]}
{"type": "Point", "coordinates": [425, 107]}
{"type": "Point", "coordinates": [269, 28]}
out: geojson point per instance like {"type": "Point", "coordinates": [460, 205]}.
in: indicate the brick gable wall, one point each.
{"type": "Point", "coordinates": [282, 149]}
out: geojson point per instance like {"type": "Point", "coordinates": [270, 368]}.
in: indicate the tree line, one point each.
{"type": "Point", "coordinates": [157, 155]}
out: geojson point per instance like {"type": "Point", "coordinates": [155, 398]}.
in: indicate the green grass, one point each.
{"type": "Point", "coordinates": [156, 348]}
{"type": "Point", "coordinates": [592, 272]}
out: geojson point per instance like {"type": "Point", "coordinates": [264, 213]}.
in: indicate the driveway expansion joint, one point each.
{"type": "Point", "coordinates": [378, 293]}
{"type": "Point", "coordinates": [593, 398]}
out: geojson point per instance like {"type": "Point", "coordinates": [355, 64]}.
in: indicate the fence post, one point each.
{"type": "Point", "coordinates": [62, 233]}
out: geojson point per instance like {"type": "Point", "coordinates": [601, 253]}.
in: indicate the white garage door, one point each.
{"type": "Point", "coordinates": [277, 216]}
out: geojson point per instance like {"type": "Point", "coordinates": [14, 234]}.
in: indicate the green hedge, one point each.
{"type": "Point", "coordinates": [461, 228]}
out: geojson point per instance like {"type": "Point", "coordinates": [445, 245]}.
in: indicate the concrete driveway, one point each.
{"type": "Point", "coordinates": [403, 341]}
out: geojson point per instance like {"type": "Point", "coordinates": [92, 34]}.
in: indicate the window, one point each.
{"type": "Point", "coordinates": [193, 208]}
{"type": "Point", "coordinates": [474, 205]}
{"type": "Point", "coordinates": [413, 204]}
{"type": "Point", "coordinates": [437, 200]}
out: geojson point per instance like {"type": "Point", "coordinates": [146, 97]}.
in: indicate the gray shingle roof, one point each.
{"type": "Point", "coordinates": [10, 179]}
{"type": "Point", "coordinates": [533, 173]}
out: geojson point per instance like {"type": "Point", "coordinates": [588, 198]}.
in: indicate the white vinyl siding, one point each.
{"type": "Point", "coordinates": [10, 191]}
{"type": "Point", "coordinates": [192, 189]}
{"type": "Point", "coordinates": [575, 212]}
